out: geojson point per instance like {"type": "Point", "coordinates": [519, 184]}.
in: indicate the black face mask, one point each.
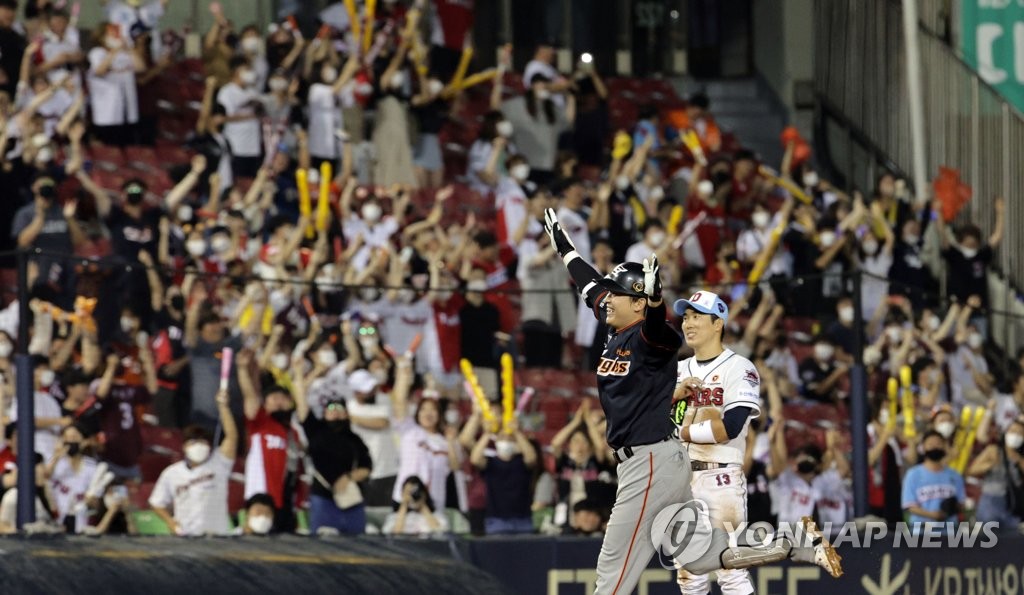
{"type": "Point", "coordinates": [282, 417]}
{"type": "Point", "coordinates": [340, 425]}
{"type": "Point", "coordinates": [73, 448]}
{"type": "Point", "coordinates": [806, 467]}
{"type": "Point", "coordinates": [178, 302]}
{"type": "Point", "coordinates": [133, 198]}
{"type": "Point", "coordinates": [721, 178]}
{"type": "Point", "coordinates": [47, 191]}
{"type": "Point", "coordinates": [935, 454]}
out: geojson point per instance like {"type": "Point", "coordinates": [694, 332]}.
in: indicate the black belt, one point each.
{"type": "Point", "coordinates": [702, 466]}
{"type": "Point", "coordinates": [626, 452]}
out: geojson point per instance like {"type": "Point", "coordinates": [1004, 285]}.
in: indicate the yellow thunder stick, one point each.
{"type": "Point", "coordinates": [906, 376]}
{"type": "Point", "coordinates": [474, 79]}
{"type": "Point", "coordinates": [965, 453]}
{"type": "Point", "coordinates": [478, 394]}
{"type": "Point", "coordinates": [323, 203]}
{"type": "Point", "coordinates": [894, 392]}
{"type": "Point", "coordinates": [960, 438]}
{"type": "Point", "coordinates": [787, 184]}
{"type": "Point", "coordinates": [460, 72]}
{"type": "Point", "coordinates": [508, 392]}
{"type": "Point", "coordinates": [302, 183]}
{"type": "Point", "coordinates": [371, 14]}
{"type": "Point", "coordinates": [692, 142]}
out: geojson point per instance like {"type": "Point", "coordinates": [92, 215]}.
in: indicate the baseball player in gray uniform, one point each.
{"type": "Point", "coordinates": [654, 508]}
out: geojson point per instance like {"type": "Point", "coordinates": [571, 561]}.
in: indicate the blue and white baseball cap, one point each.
{"type": "Point", "coordinates": [704, 302]}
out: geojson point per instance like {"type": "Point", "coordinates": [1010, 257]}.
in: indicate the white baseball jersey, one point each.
{"type": "Point", "coordinates": [729, 381]}
{"type": "Point", "coordinates": [69, 486]}
{"type": "Point", "coordinates": [1005, 411]}
{"type": "Point", "coordinates": [794, 498]}
{"type": "Point", "coordinates": [199, 495]}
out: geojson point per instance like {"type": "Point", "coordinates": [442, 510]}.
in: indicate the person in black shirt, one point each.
{"type": "Point", "coordinates": [12, 48]}
{"type": "Point", "coordinates": [908, 275]}
{"type": "Point", "coordinates": [339, 457]}
{"type": "Point", "coordinates": [591, 129]}
{"type": "Point", "coordinates": [967, 259]}
{"type": "Point", "coordinates": [820, 373]}
{"type": "Point", "coordinates": [480, 323]}
{"type": "Point", "coordinates": [508, 473]}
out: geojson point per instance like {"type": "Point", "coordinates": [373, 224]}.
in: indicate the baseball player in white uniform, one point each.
{"type": "Point", "coordinates": [723, 394]}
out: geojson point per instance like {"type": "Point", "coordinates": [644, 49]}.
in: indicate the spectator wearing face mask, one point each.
{"type": "Point", "coordinates": [9, 484]}
{"type": "Point", "coordinates": [205, 340]}
{"type": "Point", "coordinates": [507, 472]}
{"type": "Point", "coordinates": [49, 419]}
{"type": "Point", "coordinates": [191, 496]}
{"type": "Point", "coordinates": [577, 219]}
{"type": "Point", "coordinates": [537, 121]}
{"type": "Point", "coordinates": [885, 462]}
{"type": "Point", "coordinates": [46, 225]}
{"type": "Point", "coordinates": [428, 107]}
{"type": "Point", "coordinates": [542, 66]}
{"type": "Point", "coordinates": [654, 240]}
{"type": "Point", "coordinates": [341, 460]}
{"type": "Point", "coordinates": [251, 47]}
{"type": "Point", "coordinates": [481, 328]}
{"type": "Point", "coordinates": [271, 466]}
{"type": "Point", "coordinates": [875, 258]}
{"type": "Point", "coordinates": [172, 398]}
{"type": "Point", "coordinates": [967, 260]}
{"type": "Point", "coordinates": [112, 86]}
{"type": "Point", "coordinates": [492, 263]}
{"type": "Point", "coordinates": [752, 241]}
{"type": "Point", "coordinates": [416, 514]}
{"type": "Point", "coordinates": [240, 101]}
{"type": "Point", "coordinates": [324, 116]}
{"type": "Point", "coordinates": [259, 515]}
{"type": "Point", "coordinates": [842, 333]}
{"type": "Point", "coordinates": [932, 492]}
{"type": "Point", "coordinates": [1001, 469]}
{"type": "Point", "coordinates": [219, 46]}
{"type": "Point", "coordinates": [70, 472]}
{"type": "Point", "coordinates": [582, 471]}
{"type": "Point", "coordinates": [813, 484]}
{"type": "Point", "coordinates": [968, 369]}
{"type": "Point", "coordinates": [820, 373]}
{"type": "Point", "coordinates": [370, 419]}
{"type": "Point", "coordinates": [1006, 408]}
{"type": "Point", "coordinates": [908, 275]}
{"type": "Point", "coordinates": [128, 381]}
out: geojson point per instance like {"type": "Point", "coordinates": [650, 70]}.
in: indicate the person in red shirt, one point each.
{"type": "Point", "coordinates": [452, 21]}
{"type": "Point", "coordinates": [494, 260]}
{"type": "Point", "coordinates": [128, 383]}
{"type": "Point", "coordinates": [271, 465]}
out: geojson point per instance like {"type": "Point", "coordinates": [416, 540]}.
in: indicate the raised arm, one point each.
{"type": "Point", "coordinates": [251, 401]}
{"type": "Point", "coordinates": [229, 445]}
{"type": "Point", "coordinates": [1000, 224]}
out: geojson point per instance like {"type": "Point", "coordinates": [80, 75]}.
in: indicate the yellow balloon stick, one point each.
{"type": "Point", "coordinates": [323, 203]}
{"type": "Point", "coordinates": [460, 72]}
{"type": "Point", "coordinates": [478, 392]}
{"type": "Point", "coordinates": [961, 434]}
{"type": "Point", "coordinates": [508, 392]}
{"type": "Point", "coordinates": [965, 452]}
{"type": "Point", "coordinates": [371, 15]}
{"type": "Point", "coordinates": [765, 257]}
{"type": "Point", "coordinates": [894, 391]}
{"type": "Point", "coordinates": [471, 80]}
{"type": "Point", "coordinates": [787, 184]}
{"type": "Point", "coordinates": [302, 183]}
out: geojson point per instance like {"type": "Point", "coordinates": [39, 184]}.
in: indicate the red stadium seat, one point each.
{"type": "Point", "coordinates": [151, 464]}
{"type": "Point", "coordinates": [168, 439]}
{"type": "Point", "coordinates": [109, 158]}
{"type": "Point", "coordinates": [236, 496]}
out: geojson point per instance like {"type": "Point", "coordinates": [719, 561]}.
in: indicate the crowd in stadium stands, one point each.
{"type": "Point", "coordinates": [161, 194]}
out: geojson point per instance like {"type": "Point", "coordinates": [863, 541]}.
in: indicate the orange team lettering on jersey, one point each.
{"type": "Point", "coordinates": [612, 367]}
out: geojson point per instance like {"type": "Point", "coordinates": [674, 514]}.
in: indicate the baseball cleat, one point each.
{"type": "Point", "coordinates": [824, 554]}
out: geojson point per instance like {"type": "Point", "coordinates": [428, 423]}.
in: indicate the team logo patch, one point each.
{"type": "Point", "coordinates": [638, 287]}
{"type": "Point", "coordinates": [714, 378]}
{"type": "Point", "coordinates": [752, 378]}
{"type": "Point", "coordinates": [612, 367]}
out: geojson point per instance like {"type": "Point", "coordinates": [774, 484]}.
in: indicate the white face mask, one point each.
{"type": "Point", "coordinates": [622, 182]}
{"type": "Point", "coordinates": [969, 252]}
{"type": "Point", "coordinates": [894, 334]}
{"type": "Point", "coordinates": [114, 43]}
{"type": "Point", "coordinates": [127, 324]}
{"type": "Point", "coordinates": [975, 340]}
{"type": "Point", "coordinates": [870, 247]}
{"type": "Point", "coordinates": [371, 212]}
{"type": "Point", "coordinates": [329, 74]}
{"type": "Point", "coordinates": [220, 243]}
{"type": "Point", "coordinates": [760, 219]}
{"type": "Point", "coordinates": [326, 357]}
{"type": "Point", "coordinates": [250, 45]}
{"type": "Point", "coordinates": [261, 524]}
{"type": "Point", "coordinates": [367, 343]}
{"type": "Point", "coordinates": [196, 247]}
{"type": "Point", "coordinates": [1014, 441]}
{"type": "Point", "coordinates": [184, 213]}
{"type": "Point", "coordinates": [934, 323]}
{"type": "Point", "coordinates": [946, 428]}
{"type": "Point", "coordinates": [6, 349]}
{"type": "Point", "coordinates": [45, 155]}
{"type": "Point", "coordinates": [398, 80]}
{"type": "Point", "coordinates": [520, 172]}
{"type": "Point", "coordinates": [657, 193]}
{"type": "Point", "coordinates": [823, 351]}
{"type": "Point", "coordinates": [279, 300]}
{"type": "Point", "coordinates": [368, 294]}
{"type": "Point", "coordinates": [248, 78]}
{"type": "Point", "coordinates": [657, 238]}
{"type": "Point", "coordinates": [478, 285]}
{"type": "Point", "coordinates": [381, 376]}
{"type": "Point", "coordinates": [46, 377]}
{"type": "Point", "coordinates": [435, 86]}
{"type": "Point", "coordinates": [197, 452]}
{"type": "Point", "coordinates": [883, 417]}
{"type": "Point", "coordinates": [406, 296]}
{"type": "Point", "coordinates": [542, 94]}
{"type": "Point", "coordinates": [110, 501]}
{"type": "Point", "coordinates": [911, 238]}
{"type": "Point", "coordinates": [506, 449]}
{"type": "Point", "coordinates": [279, 361]}
{"type": "Point", "coordinates": [810, 179]}
{"type": "Point", "coordinates": [503, 128]}
{"type": "Point", "coordinates": [451, 417]}
{"type": "Point", "coordinates": [872, 355]}
{"type": "Point", "coordinates": [705, 188]}
{"type": "Point", "coordinates": [846, 314]}
{"type": "Point", "coordinates": [827, 238]}
{"type": "Point", "coordinates": [278, 84]}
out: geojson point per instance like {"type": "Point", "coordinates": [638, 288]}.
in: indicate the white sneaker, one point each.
{"type": "Point", "coordinates": [824, 554]}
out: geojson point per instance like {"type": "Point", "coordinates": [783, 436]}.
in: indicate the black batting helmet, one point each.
{"type": "Point", "coordinates": [625, 279]}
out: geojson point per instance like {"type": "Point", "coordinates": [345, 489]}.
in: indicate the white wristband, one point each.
{"type": "Point", "coordinates": [570, 257]}
{"type": "Point", "coordinates": [702, 433]}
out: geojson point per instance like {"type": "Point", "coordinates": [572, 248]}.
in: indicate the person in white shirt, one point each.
{"type": "Point", "coordinates": [62, 48]}
{"type": "Point", "coordinates": [196, 489]}
{"type": "Point", "coordinates": [653, 241]}
{"type": "Point", "coordinates": [133, 17]}
{"type": "Point", "coordinates": [324, 113]}
{"type": "Point", "coordinates": [416, 513]}
{"type": "Point", "coordinates": [113, 92]}
{"type": "Point", "coordinates": [70, 472]}
{"type": "Point", "coordinates": [541, 65]}
{"type": "Point", "coordinates": [371, 421]}
{"type": "Point", "coordinates": [968, 370]}
{"type": "Point", "coordinates": [49, 418]}
{"type": "Point", "coordinates": [251, 47]}
{"type": "Point", "coordinates": [814, 482]}
{"type": "Point", "coordinates": [754, 240]}
{"type": "Point", "coordinates": [242, 124]}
